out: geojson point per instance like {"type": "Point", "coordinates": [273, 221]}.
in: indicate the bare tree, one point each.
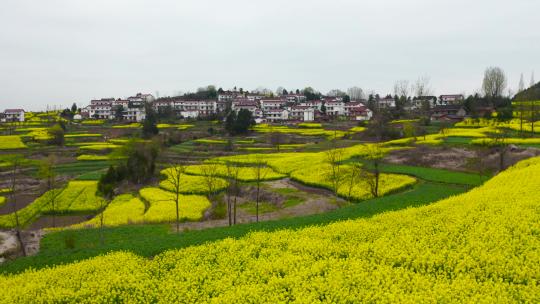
{"type": "Point", "coordinates": [47, 173]}
{"type": "Point", "coordinates": [259, 171]}
{"type": "Point", "coordinates": [478, 164]}
{"type": "Point", "coordinates": [500, 142]}
{"type": "Point", "coordinates": [421, 87]}
{"type": "Point", "coordinates": [401, 88]}
{"type": "Point", "coordinates": [336, 93]}
{"type": "Point", "coordinates": [494, 82]}
{"type": "Point", "coordinates": [374, 154]}
{"type": "Point", "coordinates": [533, 116]}
{"type": "Point", "coordinates": [521, 86]}
{"type": "Point", "coordinates": [334, 157]}
{"type": "Point", "coordinates": [372, 181]}
{"type": "Point", "coordinates": [532, 79]}
{"type": "Point", "coordinates": [276, 139]}
{"type": "Point", "coordinates": [15, 212]}
{"type": "Point", "coordinates": [355, 174]}
{"type": "Point", "coordinates": [209, 172]}
{"type": "Point", "coordinates": [356, 93]}
{"type": "Point", "coordinates": [174, 177]}
{"type": "Point", "coordinates": [233, 189]}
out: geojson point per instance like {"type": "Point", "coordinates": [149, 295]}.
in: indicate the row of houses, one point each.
{"type": "Point", "coordinates": [418, 102]}
{"type": "Point", "coordinates": [294, 107]}
{"type": "Point", "coordinates": [269, 109]}
{"type": "Point", "coordinates": [129, 109]}
{"type": "Point", "coordinates": [286, 107]}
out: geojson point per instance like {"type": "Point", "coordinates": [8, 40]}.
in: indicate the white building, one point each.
{"type": "Point", "coordinates": [303, 113]}
{"type": "Point", "coordinates": [387, 102]}
{"type": "Point", "coordinates": [137, 114]}
{"type": "Point", "coordinates": [314, 104]}
{"type": "Point", "coordinates": [101, 108]}
{"type": "Point", "coordinates": [252, 106]}
{"type": "Point", "coordinates": [228, 95]}
{"type": "Point", "coordinates": [276, 115]}
{"type": "Point", "coordinates": [268, 104]}
{"type": "Point", "coordinates": [14, 115]}
{"type": "Point", "coordinates": [203, 107]}
{"type": "Point", "coordinates": [451, 99]}
{"type": "Point", "coordinates": [297, 98]}
{"type": "Point", "coordinates": [142, 97]}
{"type": "Point", "coordinates": [355, 110]}
{"type": "Point", "coordinates": [335, 108]}
{"type": "Point", "coordinates": [189, 114]}
{"type": "Point", "coordinates": [254, 96]}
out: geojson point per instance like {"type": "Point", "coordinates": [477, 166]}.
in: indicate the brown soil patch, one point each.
{"type": "Point", "coordinates": [317, 201]}
{"type": "Point", "coordinates": [454, 158]}
{"type": "Point", "coordinates": [59, 221]}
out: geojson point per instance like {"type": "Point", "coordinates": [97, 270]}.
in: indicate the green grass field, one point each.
{"type": "Point", "coordinates": [433, 174]}
{"type": "Point", "coordinates": [82, 167]}
{"type": "Point", "coordinates": [149, 240]}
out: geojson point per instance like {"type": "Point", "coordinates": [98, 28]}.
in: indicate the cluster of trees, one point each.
{"type": "Point", "coordinates": [138, 166]}
{"type": "Point", "coordinates": [357, 172]}
{"type": "Point", "coordinates": [56, 134]}
{"type": "Point", "coordinates": [68, 113]}
{"type": "Point", "coordinates": [239, 123]}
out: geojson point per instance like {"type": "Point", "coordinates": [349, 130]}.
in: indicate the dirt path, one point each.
{"type": "Point", "coordinates": [10, 248]}
{"type": "Point", "coordinates": [319, 201]}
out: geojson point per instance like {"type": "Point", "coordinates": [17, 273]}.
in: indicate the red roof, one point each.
{"type": "Point", "coordinates": [301, 108]}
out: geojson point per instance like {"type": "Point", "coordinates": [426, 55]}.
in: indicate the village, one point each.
{"type": "Point", "coordinates": [268, 108]}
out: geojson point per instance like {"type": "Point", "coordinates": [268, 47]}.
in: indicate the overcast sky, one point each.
{"type": "Point", "coordinates": [57, 52]}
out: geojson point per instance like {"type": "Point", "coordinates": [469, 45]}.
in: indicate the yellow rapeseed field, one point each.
{"type": "Point", "coordinates": [124, 209]}
{"type": "Point", "coordinates": [478, 247]}
{"type": "Point", "coordinates": [163, 209]}
{"type": "Point", "coordinates": [11, 142]}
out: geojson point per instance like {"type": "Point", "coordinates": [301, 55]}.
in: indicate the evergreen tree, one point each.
{"type": "Point", "coordinates": [230, 121]}
{"type": "Point", "coordinates": [244, 121]}
{"type": "Point", "coordinates": [150, 123]}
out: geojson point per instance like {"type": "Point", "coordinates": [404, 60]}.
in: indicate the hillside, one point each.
{"type": "Point", "coordinates": [480, 246]}
{"type": "Point", "coordinates": [532, 93]}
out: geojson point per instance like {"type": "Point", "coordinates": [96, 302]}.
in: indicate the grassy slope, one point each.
{"type": "Point", "coordinates": [432, 174]}
{"type": "Point", "coordinates": [150, 240]}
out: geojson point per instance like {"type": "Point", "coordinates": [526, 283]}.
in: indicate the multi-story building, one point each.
{"type": "Point", "coordinates": [228, 95]}
{"type": "Point", "coordinates": [252, 106]}
{"type": "Point", "coordinates": [101, 108]}
{"type": "Point", "coordinates": [357, 111]}
{"type": "Point", "coordinates": [302, 113]}
{"type": "Point", "coordinates": [335, 108]}
{"type": "Point", "coordinates": [221, 106]}
{"type": "Point", "coordinates": [142, 97]}
{"type": "Point", "coordinates": [135, 113]}
{"type": "Point", "coordinates": [387, 102]}
{"type": "Point", "coordinates": [296, 98]}
{"type": "Point", "coordinates": [195, 108]}
{"type": "Point", "coordinates": [14, 115]}
{"type": "Point", "coordinates": [276, 115]}
{"type": "Point", "coordinates": [254, 96]}
{"type": "Point", "coordinates": [451, 99]}
{"type": "Point", "coordinates": [419, 101]}
{"type": "Point", "coordinates": [314, 104]}
{"type": "Point", "coordinates": [268, 104]}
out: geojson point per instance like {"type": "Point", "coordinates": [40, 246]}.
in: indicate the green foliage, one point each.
{"type": "Point", "coordinates": [56, 134]}
{"type": "Point", "coordinates": [150, 123]}
{"type": "Point", "coordinates": [141, 161]}
{"type": "Point", "coordinates": [239, 124]}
